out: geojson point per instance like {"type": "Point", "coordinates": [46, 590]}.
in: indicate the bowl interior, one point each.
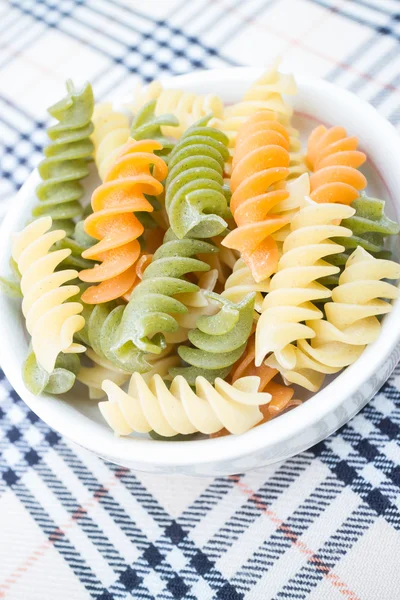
{"type": "Point", "coordinates": [75, 416]}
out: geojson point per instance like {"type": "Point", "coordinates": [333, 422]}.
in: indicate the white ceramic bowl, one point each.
{"type": "Point", "coordinates": [78, 419]}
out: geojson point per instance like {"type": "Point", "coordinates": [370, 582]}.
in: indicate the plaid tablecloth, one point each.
{"type": "Point", "coordinates": [323, 525]}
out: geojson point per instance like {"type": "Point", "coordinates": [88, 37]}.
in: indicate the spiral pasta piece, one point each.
{"type": "Point", "coordinates": [149, 315]}
{"type": "Point", "coordinates": [351, 316]}
{"type": "Point", "coordinates": [101, 324]}
{"type": "Point", "coordinates": [148, 125]}
{"type": "Point", "coordinates": [261, 161]}
{"type": "Point", "coordinates": [198, 305]}
{"type": "Point", "coordinates": [294, 287]}
{"type": "Point", "coordinates": [151, 406]}
{"type": "Point", "coordinates": [145, 126]}
{"type": "Point", "coordinates": [265, 94]}
{"type": "Point", "coordinates": [334, 158]}
{"type": "Point", "coordinates": [223, 261]}
{"type": "Point", "coordinates": [241, 282]}
{"type": "Point", "coordinates": [102, 369]}
{"type": "Point", "coordinates": [66, 159]}
{"type": "Point", "coordinates": [59, 381]}
{"type": "Point", "coordinates": [370, 226]}
{"type": "Point", "coordinates": [196, 198]}
{"type": "Point", "coordinates": [11, 285]}
{"type": "Point", "coordinates": [50, 320]}
{"type": "Point", "coordinates": [77, 243]}
{"type": "Point", "coordinates": [114, 223]}
{"type": "Point", "coordinates": [218, 340]}
{"type": "Point", "coordinates": [143, 94]}
{"type": "Point", "coordinates": [297, 190]}
{"type": "Point", "coordinates": [350, 322]}
{"type": "Point", "coordinates": [281, 395]}
{"type": "Point", "coordinates": [185, 106]}
{"type": "Point", "coordinates": [111, 132]}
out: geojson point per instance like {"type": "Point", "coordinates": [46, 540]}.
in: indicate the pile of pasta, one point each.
{"type": "Point", "coordinates": [216, 265]}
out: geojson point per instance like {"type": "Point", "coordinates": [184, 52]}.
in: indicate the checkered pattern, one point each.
{"type": "Point", "coordinates": [325, 524]}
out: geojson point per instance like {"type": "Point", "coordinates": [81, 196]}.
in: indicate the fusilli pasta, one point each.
{"type": "Point", "coordinates": [200, 301]}
{"type": "Point", "coordinates": [222, 261]}
{"type": "Point", "coordinates": [114, 223]}
{"type": "Point", "coordinates": [187, 107]}
{"type": "Point", "coordinates": [101, 323]}
{"type": "Point", "coordinates": [241, 282]}
{"type": "Point", "coordinates": [260, 162]}
{"type": "Point", "coordinates": [50, 320]}
{"type": "Point", "coordinates": [369, 226]}
{"type": "Point", "coordinates": [197, 304]}
{"type": "Point", "coordinates": [111, 132]}
{"type": "Point", "coordinates": [66, 159]}
{"type": "Point", "coordinates": [265, 94]}
{"type": "Point", "coordinates": [350, 322]}
{"type": "Point", "coordinates": [152, 406]}
{"type": "Point", "coordinates": [334, 158]}
{"type": "Point", "coordinates": [149, 314]}
{"type": "Point", "coordinates": [59, 381]}
{"type": "Point", "coordinates": [196, 198]}
{"type": "Point", "coordinates": [294, 287]}
{"type": "Point", "coordinates": [351, 316]}
{"type": "Point", "coordinates": [218, 340]}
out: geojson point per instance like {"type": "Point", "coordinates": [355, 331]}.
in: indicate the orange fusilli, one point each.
{"type": "Point", "coordinates": [334, 159]}
{"type": "Point", "coordinates": [260, 162]}
{"type": "Point", "coordinates": [114, 223]}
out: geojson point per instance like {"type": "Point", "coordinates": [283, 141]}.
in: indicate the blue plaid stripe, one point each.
{"type": "Point", "coordinates": [275, 547]}
{"type": "Point", "coordinates": [120, 536]}
{"type": "Point", "coordinates": [60, 541]}
{"type": "Point", "coordinates": [152, 555]}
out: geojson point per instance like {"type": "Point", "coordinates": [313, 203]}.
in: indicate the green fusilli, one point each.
{"type": "Point", "coordinates": [146, 126]}
{"type": "Point", "coordinates": [67, 157]}
{"type": "Point", "coordinates": [149, 313]}
{"type": "Point", "coordinates": [101, 323]}
{"type": "Point", "coordinates": [196, 198]}
{"type": "Point", "coordinates": [370, 226]}
{"type": "Point", "coordinates": [219, 340]}
{"type": "Point", "coordinates": [61, 380]}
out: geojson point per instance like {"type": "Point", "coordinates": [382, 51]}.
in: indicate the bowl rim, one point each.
{"type": "Point", "coordinates": [89, 434]}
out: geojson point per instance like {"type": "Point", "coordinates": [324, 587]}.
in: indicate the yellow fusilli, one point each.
{"type": "Point", "coordinates": [111, 131]}
{"type": "Point", "coordinates": [187, 107]}
{"type": "Point", "coordinates": [294, 287]}
{"type": "Point", "coordinates": [265, 94]}
{"type": "Point", "coordinates": [350, 322]}
{"type": "Point", "coordinates": [298, 189]}
{"type": "Point", "coordinates": [241, 282]}
{"type": "Point", "coordinates": [150, 405]}
{"type": "Point", "coordinates": [50, 319]}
